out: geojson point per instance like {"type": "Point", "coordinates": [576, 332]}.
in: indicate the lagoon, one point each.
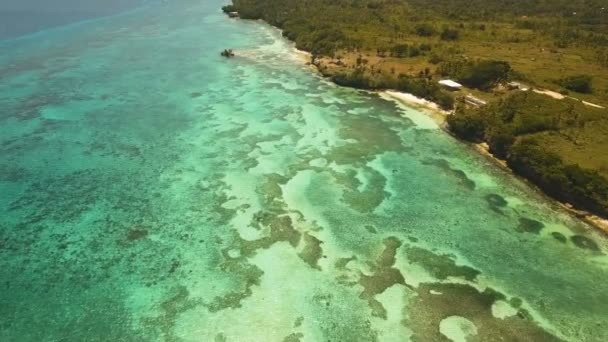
{"type": "Point", "coordinates": [153, 190]}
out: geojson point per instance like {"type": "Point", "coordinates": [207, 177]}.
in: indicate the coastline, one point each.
{"type": "Point", "coordinates": [159, 190]}
{"type": "Point", "coordinates": [600, 223]}
{"type": "Point", "coordinates": [438, 115]}
{"type": "Point", "coordinates": [430, 108]}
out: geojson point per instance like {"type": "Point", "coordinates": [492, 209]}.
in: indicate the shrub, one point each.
{"type": "Point", "coordinates": [444, 100]}
{"type": "Point", "coordinates": [579, 83]}
{"type": "Point", "coordinates": [467, 125]}
{"type": "Point", "coordinates": [414, 51]}
{"type": "Point", "coordinates": [229, 8]}
{"type": "Point", "coordinates": [399, 50]}
{"type": "Point", "coordinates": [356, 79]}
{"type": "Point", "coordinates": [500, 140]}
{"type": "Point", "coordinates": [425, 30]}
{"type": "Point", "coordinates": [449, 34]}
{"type": "Point", "coordinates": [374, 5]}
{"type": "Point", "coordinates": [435, 59]}
{"type": "Point", "coordinates": [601, 56]}
{"type": "Point", "coordinates": [327, 41]}
{"type": "Point", "coordinates": [584, 188]}
{"type": "Point", "coordinates": [425, 47]}
{"type": "Point", "coordinates": [485, 74]}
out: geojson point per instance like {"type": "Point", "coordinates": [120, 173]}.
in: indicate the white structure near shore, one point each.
{"type": "Point", "coordinates": [474, 101]}
{"type": "Point", "coordinates": [451, 85]}
{"type": "Point", "coordinates": [517, 85]}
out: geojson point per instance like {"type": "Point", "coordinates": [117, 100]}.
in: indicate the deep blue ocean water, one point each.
{"type": "Point", "coordinates": [19, 20]}
{"type": "Point", "coordinates": [152, 190]}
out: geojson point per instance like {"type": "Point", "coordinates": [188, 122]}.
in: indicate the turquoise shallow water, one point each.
{"type": "Point", "coordinates": [152, 190]}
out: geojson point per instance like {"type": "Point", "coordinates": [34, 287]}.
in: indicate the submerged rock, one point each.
{"type": "Point", "coordinates": [528, 225]}
{"type": "Point", "coordinates": [227, 53]}
{"type": "Point", "coordinates": [370, 228]}
{"type": "Point", "coordinates": [312, 251]}
{"type": "Point", "coordinates": [496, 200]}
{"type": "Point", "coordinates": [440, 266]}
{"type": "Point", "coordinates": [428, 310]}
{"type": "Point", "coordinates": [384, 276]}
{"type": "Point", "coordinates": [584, 242]}
{"type": "Point", "coordinates": [559, 237]}
{"type": "Point", "coordinates": [137, 234]}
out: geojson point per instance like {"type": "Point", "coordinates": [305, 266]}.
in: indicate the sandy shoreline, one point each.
{"type": "Point", "coordinates": [597, 222]}
{"type": "Point", "coordinates": [304, 56]}
{"type": "Point", "coordinates": [438, 115]}
{"type": "Point", "coordinates": [428, 107]}
{"type": "Point", "coordinates": [412, 99]}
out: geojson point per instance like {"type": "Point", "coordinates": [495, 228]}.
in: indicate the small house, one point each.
{"type": "Point", "coordinates": [233, 14]}
{"type": "Point", "coordinates": [450, 85]}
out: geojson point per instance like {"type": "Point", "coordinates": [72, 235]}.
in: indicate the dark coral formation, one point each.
{"type": "Point", "coordinates": [370, 228]}
{"type": "Point", "coordinates": [440, 266]}
{"type": "Point", "coordinates": [460, 175]}
{"type": "Point", "coordinates": [584, 243]}
{"type": "Point", "coordinates": [435, 302]}
{"type": "Point", "coordinates": [136, 233]}
{"type": "Point", "coordinates": [559, 237]}
{"type": "Point", "coordinates": [250, 276]}
{"type": "Point", "coordinates": [368, 199]}
{"type": "Point", "coordinates": [384, 276]}
{"type": "Point", "coordinates": [178, 302]}
{"type": "Point", "coordinates": [496, 200]}
{"type": "Point", "coordinates": [528, 225]}
{"type": "Point", "coordinates": [312, 251]}
{"type": "Point", "coordinates": [294, 337]}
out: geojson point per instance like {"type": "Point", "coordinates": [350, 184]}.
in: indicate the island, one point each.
{"type": "Point", "coordinates": [527, 80]}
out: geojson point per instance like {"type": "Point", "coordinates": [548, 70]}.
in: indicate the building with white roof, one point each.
{"type": "Point", "coordinates": [450, 84]}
